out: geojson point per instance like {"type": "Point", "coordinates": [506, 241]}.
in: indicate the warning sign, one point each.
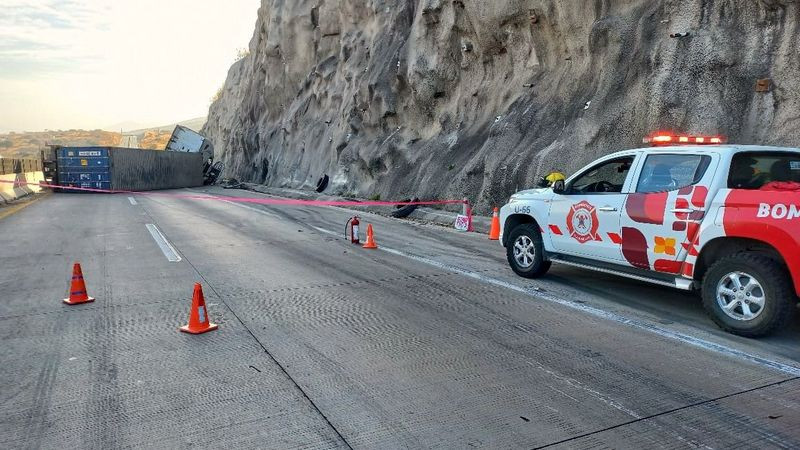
{"type": "Point", "coordinates": [462, 223]}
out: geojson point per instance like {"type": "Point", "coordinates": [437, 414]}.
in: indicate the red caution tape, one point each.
{"type": "Point", "coordinates": [262, 201]}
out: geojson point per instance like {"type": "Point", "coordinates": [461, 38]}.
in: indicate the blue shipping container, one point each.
{"type": "Point", "coordinates": [73, 152]}
{"type": "Point", "coordinates": [128, 169]}
{"type": "Point", "coordinates": [88, 161]}
{"type": "Point", "coordinates": [77, 177]}
{"type": "Point", "coordinates": [91, 184]}
{"type": "Point", "coordinates": [84, 167]}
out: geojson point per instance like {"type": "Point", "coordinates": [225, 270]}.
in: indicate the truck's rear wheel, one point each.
{"type": "Point", "coordinates": [525, 252]}
{"type": "Point", "coordinates": [748, 294]}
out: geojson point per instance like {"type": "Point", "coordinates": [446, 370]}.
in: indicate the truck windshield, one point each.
{"type": "Point", "coordinates": [762, 170]}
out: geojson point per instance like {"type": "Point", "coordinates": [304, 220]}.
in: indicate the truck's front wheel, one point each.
{"type": "Point", "coordinates": [748, 294]}
{"type": "Point", "coordinates": [525, 252]}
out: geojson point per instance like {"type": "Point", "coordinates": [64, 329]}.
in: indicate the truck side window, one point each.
{"type": "Point", "coordinates": [662, 173]}
{"type": "Point", "coordinates": [761, 170]}
{"type": "Point", "coordinates": [606, 178]}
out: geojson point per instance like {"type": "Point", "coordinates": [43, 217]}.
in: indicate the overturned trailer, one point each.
{"type": "Point", "coordinates": [127, 169]}
{"type": "Point", "coordinates": [187, 140]}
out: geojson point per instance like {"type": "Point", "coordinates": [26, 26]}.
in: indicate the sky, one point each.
{"type": "Point", "coordinates": [99, 63]}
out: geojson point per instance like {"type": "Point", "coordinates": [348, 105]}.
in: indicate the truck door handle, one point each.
{"type": "Point", "coordinates": [607, 209]}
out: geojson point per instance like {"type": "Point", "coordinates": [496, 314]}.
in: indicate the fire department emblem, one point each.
{"type": "Point", "coordinates": [582, 222]}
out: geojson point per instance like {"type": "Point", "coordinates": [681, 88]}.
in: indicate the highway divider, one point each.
{"type": "Point", "coordinates": [19, 177]}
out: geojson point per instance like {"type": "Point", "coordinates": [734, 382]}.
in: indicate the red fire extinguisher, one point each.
{"type": "Point", "coordinates": [353, 223]}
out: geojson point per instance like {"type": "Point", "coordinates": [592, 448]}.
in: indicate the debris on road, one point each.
{"type": "Point", "coordinates": [232, 183]}
{"type": "Point", "coordinates": [322, 183]}
{"type": "Point", "coordinates": [405, 211]}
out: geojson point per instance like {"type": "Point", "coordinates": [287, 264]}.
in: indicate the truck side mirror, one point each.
{"type": "Point", "coordinates": [559, 187]}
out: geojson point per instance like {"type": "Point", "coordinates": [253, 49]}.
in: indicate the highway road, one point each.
{"type": "Point", "coordinates": [429, 342]}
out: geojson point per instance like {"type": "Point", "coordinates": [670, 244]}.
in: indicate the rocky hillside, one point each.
{"type": "Point", "coordinates": [439, 98]}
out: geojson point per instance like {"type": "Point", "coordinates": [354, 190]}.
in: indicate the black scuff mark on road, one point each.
{"type": "Point", "coordinates": [105, 406]}
{"type": "Point", "coordinates": [106, 410]}
{"type": "Point", "coordinates": [664, 413]}
{"type": "Point", "coordinates": [45, 384]}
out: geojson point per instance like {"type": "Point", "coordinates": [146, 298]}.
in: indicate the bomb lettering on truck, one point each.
{"type": "Point", "coordinates": [778, 211]}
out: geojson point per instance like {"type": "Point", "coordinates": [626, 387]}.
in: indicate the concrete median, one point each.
{"type": "Point", "coordinates": [15, 185]}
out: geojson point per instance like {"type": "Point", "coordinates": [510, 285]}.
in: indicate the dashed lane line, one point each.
{"type": "Point", "coordinates": [607, 315]}
{"type": "Point", "coordinates": [257, 210]}
{"type": "Point", "coordinates": [166, 248]}
{"type": "Point", "coordinates": [133, 201]}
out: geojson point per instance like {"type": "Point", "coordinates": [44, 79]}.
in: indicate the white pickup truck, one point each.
{"type": "Point", "coordinates": [724, 219]}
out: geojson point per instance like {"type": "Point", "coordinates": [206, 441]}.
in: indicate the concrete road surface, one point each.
{"type": "Point", "coordinates": [429, 342]}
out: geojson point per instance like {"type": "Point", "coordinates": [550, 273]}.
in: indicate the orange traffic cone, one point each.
{"type": "Point", "coordinates": [370, 238]}
{"type": "Point", "coordinates": [494, 230]}
{"type": "Point", "coordinates": [77, 288]}
{"type": "Point", "coordinates": [198, 316]}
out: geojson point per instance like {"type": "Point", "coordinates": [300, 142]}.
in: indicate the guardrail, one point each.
{"type": "Point", "coordinates": [10, 166]}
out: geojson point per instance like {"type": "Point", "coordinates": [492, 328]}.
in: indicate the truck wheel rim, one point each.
{"type": "Point", "coordinates": [524, 251]}
{"type": "Point", "coordinates": [740, 296]}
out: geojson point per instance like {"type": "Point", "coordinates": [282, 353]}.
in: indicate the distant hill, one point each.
{"type": "Point", "coordinates": [125, 126]}
{"type": "Point", "coordinates": [130, 127]}
{"type": "Point", "coordinates": [157, 137]}
{"type": "Point", "coordinates": [194, 124]}
{"type": "Point", "coordinates": [29, 144]}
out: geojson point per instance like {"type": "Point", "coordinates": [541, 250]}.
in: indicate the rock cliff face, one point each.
{"type": "Point", "coordinates": [478, 98]}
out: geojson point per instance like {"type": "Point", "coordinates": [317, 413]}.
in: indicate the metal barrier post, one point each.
{"type": "Point", "coordinates": [467, 211]}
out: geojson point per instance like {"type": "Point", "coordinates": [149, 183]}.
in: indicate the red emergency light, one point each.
{"type": "Point", "coordinates": [662, 139]}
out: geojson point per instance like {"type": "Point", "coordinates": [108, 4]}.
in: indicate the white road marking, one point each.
{"type": "Point", "coordinates": [322, 230]}
{"type": "Point", "coordinates": [597, 312]}
{"type": "Point", "coordinates": [166, 248]}
{"type": "Point", "coordinates": [133, 201]}
{"type": "Point", "coordinates": [257, 210]}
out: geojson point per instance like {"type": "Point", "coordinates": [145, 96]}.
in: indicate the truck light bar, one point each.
{"type": "Point", "coordinates": [659, 139]}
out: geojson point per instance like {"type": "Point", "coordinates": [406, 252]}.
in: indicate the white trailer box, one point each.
{"type": "Point", "coordinates": [189, 141]}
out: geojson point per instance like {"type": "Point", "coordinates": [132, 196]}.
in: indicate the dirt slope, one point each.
{"type": "Point", "coordinates": [472, 97]}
